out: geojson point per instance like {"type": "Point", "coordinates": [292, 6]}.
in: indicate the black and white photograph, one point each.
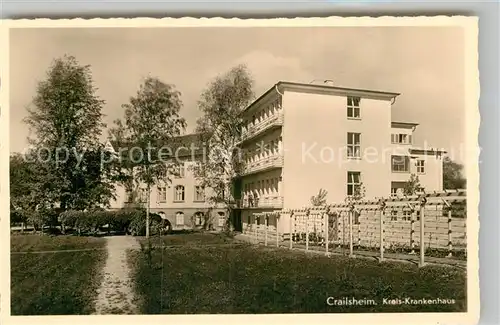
{"type": "Point", "coordinates": [239, 167]}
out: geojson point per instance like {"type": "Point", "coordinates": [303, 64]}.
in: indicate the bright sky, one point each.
{"type": "Point", "coordinates": [424, 64]}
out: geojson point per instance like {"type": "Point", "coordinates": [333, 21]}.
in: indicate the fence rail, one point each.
{"type": "Point", "coordinates": [425, 224]}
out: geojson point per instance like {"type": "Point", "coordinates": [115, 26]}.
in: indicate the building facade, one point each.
{"type": "Point", "coordinates": [300, 138]}
{"type": "Point", "coordinates": [183, 201]}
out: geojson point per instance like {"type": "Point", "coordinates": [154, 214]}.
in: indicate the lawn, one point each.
{"type": "Point", "coordinates": [62, 283]}
{"type": "Point", "coordinates": [191, 279]}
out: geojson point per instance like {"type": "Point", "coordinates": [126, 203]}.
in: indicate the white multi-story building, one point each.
{"type": "Point", "coordinates": [300, 138]}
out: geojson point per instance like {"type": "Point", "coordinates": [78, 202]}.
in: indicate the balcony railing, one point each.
{"type": "Point", "coordinates": [275, 202]}
{"type": "Point", "coordinates": [271, 162]}
{"type": "Point", "coordinates": [254, 130]}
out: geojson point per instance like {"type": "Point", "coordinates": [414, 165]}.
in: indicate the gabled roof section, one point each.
{"type": "Point", "coordinates": [181, 147]}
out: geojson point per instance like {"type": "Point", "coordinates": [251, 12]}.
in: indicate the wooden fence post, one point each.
{"type": "Point", "coordinates": [351, 248]}
{"type": "Point", "coordinates": [412, 231]}
{"type": "Point", "coordinates": [450, 247]}
{"type": "Point", "coordinates": [291, 232]}
{"type": "Point", "coordinates": [266, 224]}
{"type": "Point", "coordinates": [382, 216]}
{"type": "Point", "coordinates": [423, 200]}
{"type": "Point", "coordinates": [327, 217]}
{"type": "Point", "coordinates": [256, 231]}
{"type": "Point", "coordinates": [307, 229]}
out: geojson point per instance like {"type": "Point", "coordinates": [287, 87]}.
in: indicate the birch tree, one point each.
{"type": "Point", "coordinates": [152, 122]}
{"type": "Point", "coordinates": [65, 121]}
{"type": "Point", "coordinates": [219, 126]}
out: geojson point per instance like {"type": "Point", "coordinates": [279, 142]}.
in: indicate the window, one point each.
{"type": "Point", "coordinates": [394, 192]}
{"type": "Point", "coordinates": [394, 215]}
{"type": "Point", "coordinates": [222, 218]}
{"type": "Point", "coordinates": [179, 193]}
{"type": "Point", "coordinates": [198, 218]}
{"type": "Point", "coordinates": [143, 195]}
{"type": "Point", "coordinates": [179, 218]}
{"type": "Point", "coordinates": [353, 182]}
{"type": "Point", "coordinates": [353, 107]}
{"type": "Point", "coordinates": [406, 215]}
{"type": "Point", "coordinates": [199, 193]}
{"type": "Point", "coordinates": [354, 145]}
{"type": "Point", "coordinates": [162, 194]}
{"type": "Point", "coordinates": [401, 138]}
{"type": "Point", "coordinates": [400, 164]}
{"type": "Point", "coordinates": [420, 167]}
{"type": "Point", "coordinates": [128, 196]}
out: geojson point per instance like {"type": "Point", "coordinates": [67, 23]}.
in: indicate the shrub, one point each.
{"type": "Point", "coordinates": [137, 225]}
{"type": "Point", "coordinates": [18, 216]}
{"type": "Point", "coordinates": [130, 220]}
{"type": "Point", "coordinates": [42, 218]}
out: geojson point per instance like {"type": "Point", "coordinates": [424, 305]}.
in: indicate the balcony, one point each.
{"type": "Point", "coordinates": [274, 121]}
{"type": "Point", "coordinates": [265, 164]}
{"type": "Point", "coordinates": [265, 202]}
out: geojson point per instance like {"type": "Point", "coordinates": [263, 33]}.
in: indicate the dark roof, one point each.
{"type": "Point", "coordinates": [183, 147]}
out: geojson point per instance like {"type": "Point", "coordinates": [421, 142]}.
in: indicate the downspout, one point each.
{"type": "Point", "coordinates": [277, 90]}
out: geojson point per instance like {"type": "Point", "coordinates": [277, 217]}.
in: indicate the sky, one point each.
{"type": "Point", "coordinates": [424, 64]}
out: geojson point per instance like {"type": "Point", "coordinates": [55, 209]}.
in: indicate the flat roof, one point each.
{"type": "Point", "coordinates": [403, 124]}
{"type": "Point", "coordinates": [429, 151]}
{"type": "Point", "coordinates": [323, 88]}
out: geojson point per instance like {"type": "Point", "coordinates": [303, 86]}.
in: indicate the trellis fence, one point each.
{"type": "Point", "coordinates": [432, 224]}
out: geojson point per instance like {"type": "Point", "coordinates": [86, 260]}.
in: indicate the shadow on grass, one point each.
{"type": "Point", "coordinates": [249, 279]}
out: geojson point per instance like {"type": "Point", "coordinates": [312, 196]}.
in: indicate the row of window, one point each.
{"type": "Point", "coordinates": [401, 138]}
{"type": "Point", "coordinates": [354, 143]}
{"type": "Point", "coordinates": [179, 194]}
{"type": "Point", "coordinates": [401, 164]}
{"type": "Point", "coordinates": [198, 218]}
{"type": "Point", "coordinates": [405, 217]}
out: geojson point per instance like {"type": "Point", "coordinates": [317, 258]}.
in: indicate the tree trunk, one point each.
{"type": "Point", "coordinates": [147, 209]}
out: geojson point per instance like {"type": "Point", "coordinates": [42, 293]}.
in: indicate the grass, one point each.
{"type": "Point", "coordinates": [188, 239]}
{"type": "Point", "coordinates": [62, 283]}
{"type": "Point", "coordinates": [250, 279]}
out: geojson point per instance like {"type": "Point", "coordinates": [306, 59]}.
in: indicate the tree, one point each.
{"type": "Point", "coordinates": [320, 198]}
{"type": "Point", "coordinates": [32, 187]}
{"type": "Point", "coordinates": [119, 137]}
{"type": "Point", "coordinates": [152, 121]}
{"type": "Point", "coordinates": [65, 119]}
{"type": "Point", "coordinates": [453, 175]}
{"type": "Point", "coordinates": [412, 186]}
{"type": "Point", "coordinates": [221, 104]}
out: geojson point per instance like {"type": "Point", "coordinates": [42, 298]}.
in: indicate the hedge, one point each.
{"type": "Point", "coordinates": [131, 221]}
{"type": "Point", "coordinates": [39, 218]}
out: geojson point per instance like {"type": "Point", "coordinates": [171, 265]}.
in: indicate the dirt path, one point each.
{"type": "Point", "coordinates": [116, 295]}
